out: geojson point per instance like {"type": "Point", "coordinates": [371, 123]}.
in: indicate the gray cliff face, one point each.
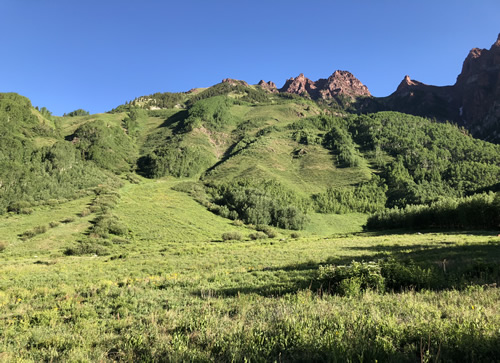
{"type": "Point", "coordinates": [473, 101]}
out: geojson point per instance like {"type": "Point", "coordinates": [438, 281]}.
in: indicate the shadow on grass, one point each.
{"type": "Point", "coordinates": [445, 266]}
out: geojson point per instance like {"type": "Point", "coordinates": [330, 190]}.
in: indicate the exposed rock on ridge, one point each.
{"type": "Point", "coordinates": [268, 86]}
{"type": "Point", "coordinates": [235, 82]}
{"type": "Point", "coordinates": [473, 101]}
{"type": "Point", "coordinates": [340, 83]}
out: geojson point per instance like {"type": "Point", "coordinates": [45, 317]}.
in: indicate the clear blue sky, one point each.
{"type": "Point", "coordinates": [97, 54]}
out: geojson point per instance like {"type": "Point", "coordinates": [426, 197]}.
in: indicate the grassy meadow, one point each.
{"type": "Point", "coordinates": [171, 289]}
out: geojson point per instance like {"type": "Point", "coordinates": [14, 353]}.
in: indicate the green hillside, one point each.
{"type": "Point", "coordinates": [232, 224]}
{"type": "Point", "coordinates": [283, 157]}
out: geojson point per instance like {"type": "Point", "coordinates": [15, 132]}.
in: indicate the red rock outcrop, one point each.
{"type": "Point", "coordinates": [268, 86]}
{"type": "Point", "coordinates": [300, 85]}
{"type": "Point", "coordinates": [340, 83]}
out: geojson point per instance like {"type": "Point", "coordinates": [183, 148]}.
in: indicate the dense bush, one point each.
{"type": "Point", "coordinates": [107, 146]}
{"type": "Point", "coordinates": [173, 159]}
{"type": "Point", "coordinates": [264, 203]}
{"type": "Point", "coordinates": [79, 112]}
{"type": "Point", "coordinates": [257, 235]}
{"type": "Point", "coordinates": [480, 211]}
{"type": "Point", "coordinates": [232, 236]}
{"type": "Point", "coordinates": [424, 160]}
{"type": "Point", "coordinates": [351, 279]}
{"type": "Point", "coordinates": [30, 174]}
{"type": "Point", "coordinates": [364, 198]}
{"type": "Point", "coordinates": [107, 224]}
{"type": "Point", "coordinates": [212, 113]}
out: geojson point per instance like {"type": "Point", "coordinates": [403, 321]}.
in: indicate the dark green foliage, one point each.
{"type": "Point", "coordinates": [429, 159]}
{"type": "Point", "coordinates": [212, 113]}
{"type": "Point", "coordinates": [175, 160]}
{"type": "Point", "coordinates": [480, 211]}
{"type": "Point", "coordinates": [29, 174]}
{"type": "Point", "coordinates": [366, 197]}
{"type": "Point", "coordinates": [332, 133]}
{"type": "Point", "coordinates": [265, 203]}
{"type": "Point", "coordinates": [401, 276]}
{"type": "Point", "coordinates": [107, 146]}
{"type": "Point", "coordinates": [79, 112]}
{"type": "Point", "coordinates": [340, 142]}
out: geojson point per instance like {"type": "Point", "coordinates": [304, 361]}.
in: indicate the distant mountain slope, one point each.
{"type": "Point", "coordinates": [473, 101]}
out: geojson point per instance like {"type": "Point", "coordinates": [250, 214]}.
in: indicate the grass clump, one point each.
{"type": "Point", "coordinates": [54, 224]}
{"type": "Point", "coordinates": [85, 212]}
{"type": "Point", "coordinates": [3, 246]}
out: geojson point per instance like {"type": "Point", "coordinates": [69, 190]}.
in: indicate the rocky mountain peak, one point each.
{"type": "Point", "coordinates": [299, 85]}
{"type": "Point", "coordinates": [407, 84]}
{"type": "Point", "coordinates": [344, 83]}
{"type": "Point", "coordinates": [339, 83]}
{"type": "Point", "coordinates": [268, 86]}
{"type": "Point", "coordinates": [473, 101]}
{"type": "Point", "coordinates": [235, 82]}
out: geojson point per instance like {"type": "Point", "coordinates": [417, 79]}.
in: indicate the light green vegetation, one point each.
{"type": "Point", "coordinates": [174, 291]}
{"type": "Point", "coordinates": [98, 263]}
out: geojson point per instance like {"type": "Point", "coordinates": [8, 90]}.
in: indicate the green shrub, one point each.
{"type": "Point", "coordinates": [18, 207]}
{"type": "Point", "coordinates": [263, 203]}
{"type": "Point", "coordinates": [33, 232]}
{"type": "Point", "coordinates": [352, 279]}
{"type": "Point", "coordinates": [295, 235]}
{"type": "Point", "coordinates": [403, 276]}
{"type": "Point", "coordinates": [271, 233]}
{"type": "Point", "coordinates": [232, 236]}
{"type": "Point", "coordinates": [87, 247]}
{"type": "Point", "coordinates": [107, 224]}
{"type": "Point", "coordinates": [257, 235]}
{"type": "Point", "coordinates": [68, 220]}
{"type": "Point", "coordinates": [480, 211]}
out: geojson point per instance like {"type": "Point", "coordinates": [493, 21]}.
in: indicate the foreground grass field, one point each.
{"type": "Point", "coordinates": [172, 290]}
